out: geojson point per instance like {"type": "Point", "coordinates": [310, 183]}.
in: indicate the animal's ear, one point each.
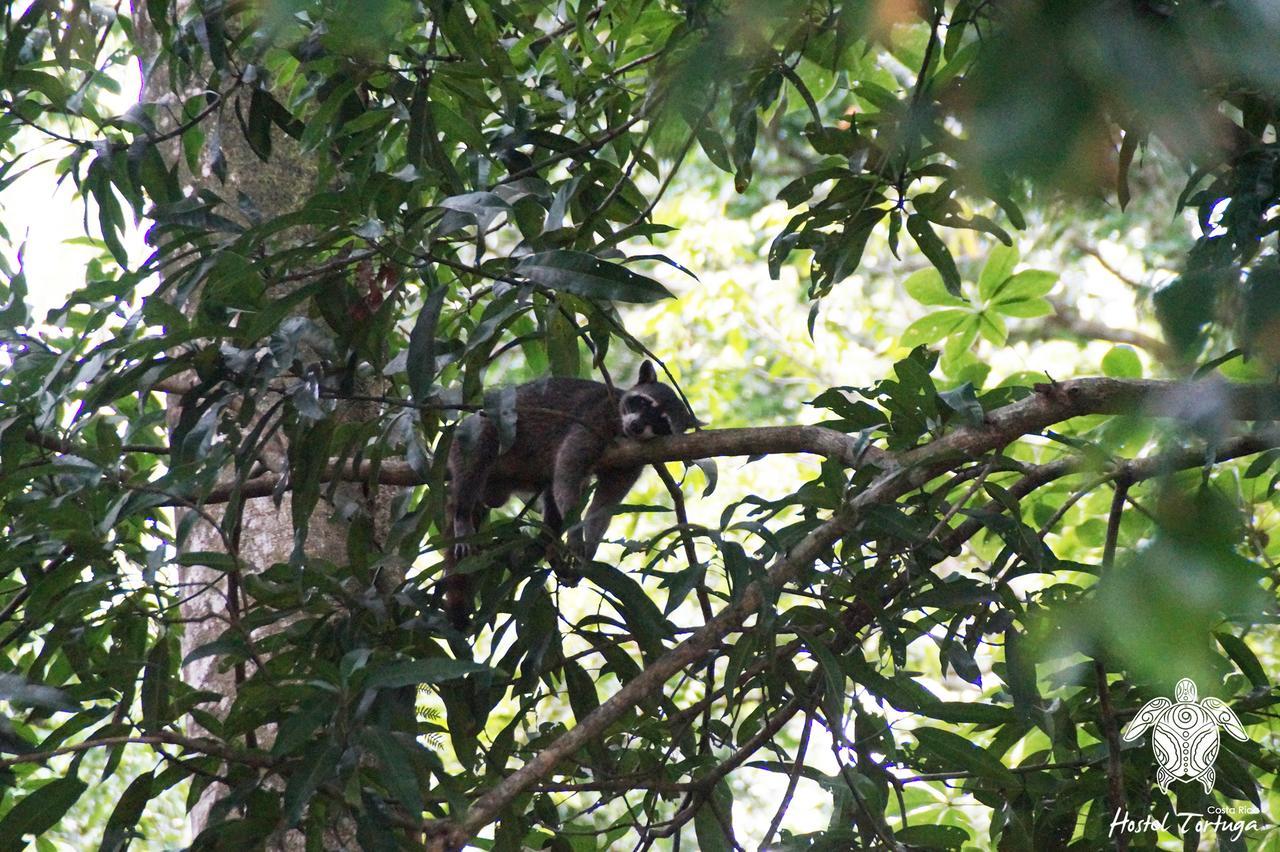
{"type": "Point", "coordinates": [648, 374]}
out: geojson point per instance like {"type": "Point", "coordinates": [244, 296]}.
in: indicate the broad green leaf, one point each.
{"type": "Point", "coordinates": [421, 365]}
{"type": "Point", "coordinates": [128, 810]}
{"type": "Point", "coordinates": [963, 401]}
{"type": "Point", "coordinates": [586, 275]}
{"type": "Point", "coordinates": [926, 836]}
{"type": "Point", "coordinates": [1027, 284]}
{"type": "Point", "coordinates": [434, 670]}
{"type": "Point", "coordinates": [1242, 655]}
{"type": "Point", "coordinates": [992, 328]}
{"type": "Point", "coordinates": [969, 713]}
{"type": "Point", "coordinates": [300, 726]}
{"type": "Point", "coordinates": [996, 270]}
{"type": "Point", "coordinates": [960, 341]}
{"type": "Point", "coordinates": [927, 288]}
{"type": "Point", "coordinates": [950, 750]}
{"type": "Point", "coordinates": [397, 769]}
{"type": "Point", "coordinates": [934, 327]}
{"type": "Point", "coordinates": [834, 697]}
{"type": "Point", "coordinates": [40, 810]}
{"type": "Point", "coordinates": [636, 607]}
{"type": "Point", "coordinates": [476, 203]}
{"type": "Point", "coordinates": [1121, 362]}
{"type": "Point", "coordinates": [713, 823]}
{"type": "Point", "coordinates": [934, 249]}
{"type": "Point", "coordinates": [1023, 308]}
{"type": "Point", "coordinates": [317, 766]}
{"type": "Point", "coordinates": [155, 686]}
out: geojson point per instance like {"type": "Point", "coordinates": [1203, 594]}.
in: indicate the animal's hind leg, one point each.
{"type": "Point", "coordinates": [469, 471]}
{"type": "Point", "coordinates": [469, 489]}
{"type": "Point", "coordinates": [611, 489]}
{"type": "Point", "coordinates": [577, 454]}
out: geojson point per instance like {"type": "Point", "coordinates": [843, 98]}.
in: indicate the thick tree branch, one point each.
{"type": "Point", "coordinates": [709, 443]}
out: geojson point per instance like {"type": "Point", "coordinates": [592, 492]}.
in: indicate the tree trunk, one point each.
{"type": "Point", "coordinates": [264, 533]}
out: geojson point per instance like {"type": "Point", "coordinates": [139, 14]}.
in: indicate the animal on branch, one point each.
{"type": "Point", "coordinates": [562, 428]}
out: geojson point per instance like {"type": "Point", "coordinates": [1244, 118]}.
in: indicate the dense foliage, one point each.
{"type": "Point", "coordinates": [932, 637]}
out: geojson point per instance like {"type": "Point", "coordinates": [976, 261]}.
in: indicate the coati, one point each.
{"type": "Point", "coordinates": [563, 427]}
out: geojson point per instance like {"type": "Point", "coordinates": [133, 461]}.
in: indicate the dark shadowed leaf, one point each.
{"type": "Point", "coordinates": [585, 275]}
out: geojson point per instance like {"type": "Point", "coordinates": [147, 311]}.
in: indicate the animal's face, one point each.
{"type": "Point", "coordinates": [652, 409]}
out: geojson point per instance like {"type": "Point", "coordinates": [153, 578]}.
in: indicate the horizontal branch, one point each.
{"type": "Point", "coordinates": [200, 746]}
{"type": "Point", "coordinates": [1196, 402]}
{"type": "Point", "coordinates": [708, 443]}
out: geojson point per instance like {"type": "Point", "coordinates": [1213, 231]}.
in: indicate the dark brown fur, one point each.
{"type": "Point", "coordinates": [563, 426]}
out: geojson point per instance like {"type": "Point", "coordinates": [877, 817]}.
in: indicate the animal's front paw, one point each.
{"type": "Point", "coordinates": [568, 574]}
{"type": "Point", "coordinates": [565, 563]}
{"type": "Point", "coordinates": [461, 550]}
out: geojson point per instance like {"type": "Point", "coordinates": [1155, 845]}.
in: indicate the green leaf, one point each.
{"type": "Point", "coordinates": [1260, 314]}
{"type": "Point", "coordinates": [234, 283]}
{"type": "Point", "coordinates": [128, 810]}
{"type": "Point", "coordinates": [956, 351]}
{"type": "Point", "coordinates": [713, 145]}
{"type": "Point", "coordinates": [963, 402]}
{"type": "Point", "coordinates": [932, 836]}
{"type": "Point", "coordinates": [1243, 657]}
{"type": "Point", "coordinates": [397, 770]}
{"type": "Point", "coordinates": [713, 823]}
{"type": "Point", "coordinates": [434, 670]}
{"type": "Point", "coordinates": [996, 270]}
{"type": "Point", "coordinates": [934, 249]}
{"type": "Point", "coordinates": [155, 686]}
{"type": "Point", "coordinates": [1027, 284]}
{"type": "Point", "coordinates": [1122, 362]}
{"type": "Point", "coordinates": [562, 342]}
{"type": "Point", "coordinates": [833, 677]}
{"type": "Point", "coordinates": [1020, 673]}
{"type": "Point", "coordinates": [317, 766]}
{"type": "Point", "coordinates": [934, 327]}
{"type": "Point", "coordinates": [421, 364]}
{"type": "Point", "coordinates": [952, 751]}
{"type": "Point", "coordinates": [636, 607]}
{"type": "Point", "coordinates": [1023, 308]}
{"type": "Point", "coordinates": [582, 690]}
{"type": "Point", "coordinates": [1185, 305]}
{"type": "Point", "coordinates": [479, 204]}
{"type": "Point", "coordinates": [993, 328]}
{"type": "Point", "coordinates": [39, 811]}
{"type": "Point", "coordinates": [969, 713]}
{"type": "Point", "coordinates": [257, 131]}
{"type": "Point", "coordinates": [927, 288]}
{"type": "Point", "coordinates": [300, 726]}
{"type": "Point", "coordinates": [586, 275]}
{"type": "Point", "coordinates": [21, 80]}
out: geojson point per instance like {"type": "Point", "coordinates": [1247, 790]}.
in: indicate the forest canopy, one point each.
{"type": "Point", "coordinates": [979, 302]}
